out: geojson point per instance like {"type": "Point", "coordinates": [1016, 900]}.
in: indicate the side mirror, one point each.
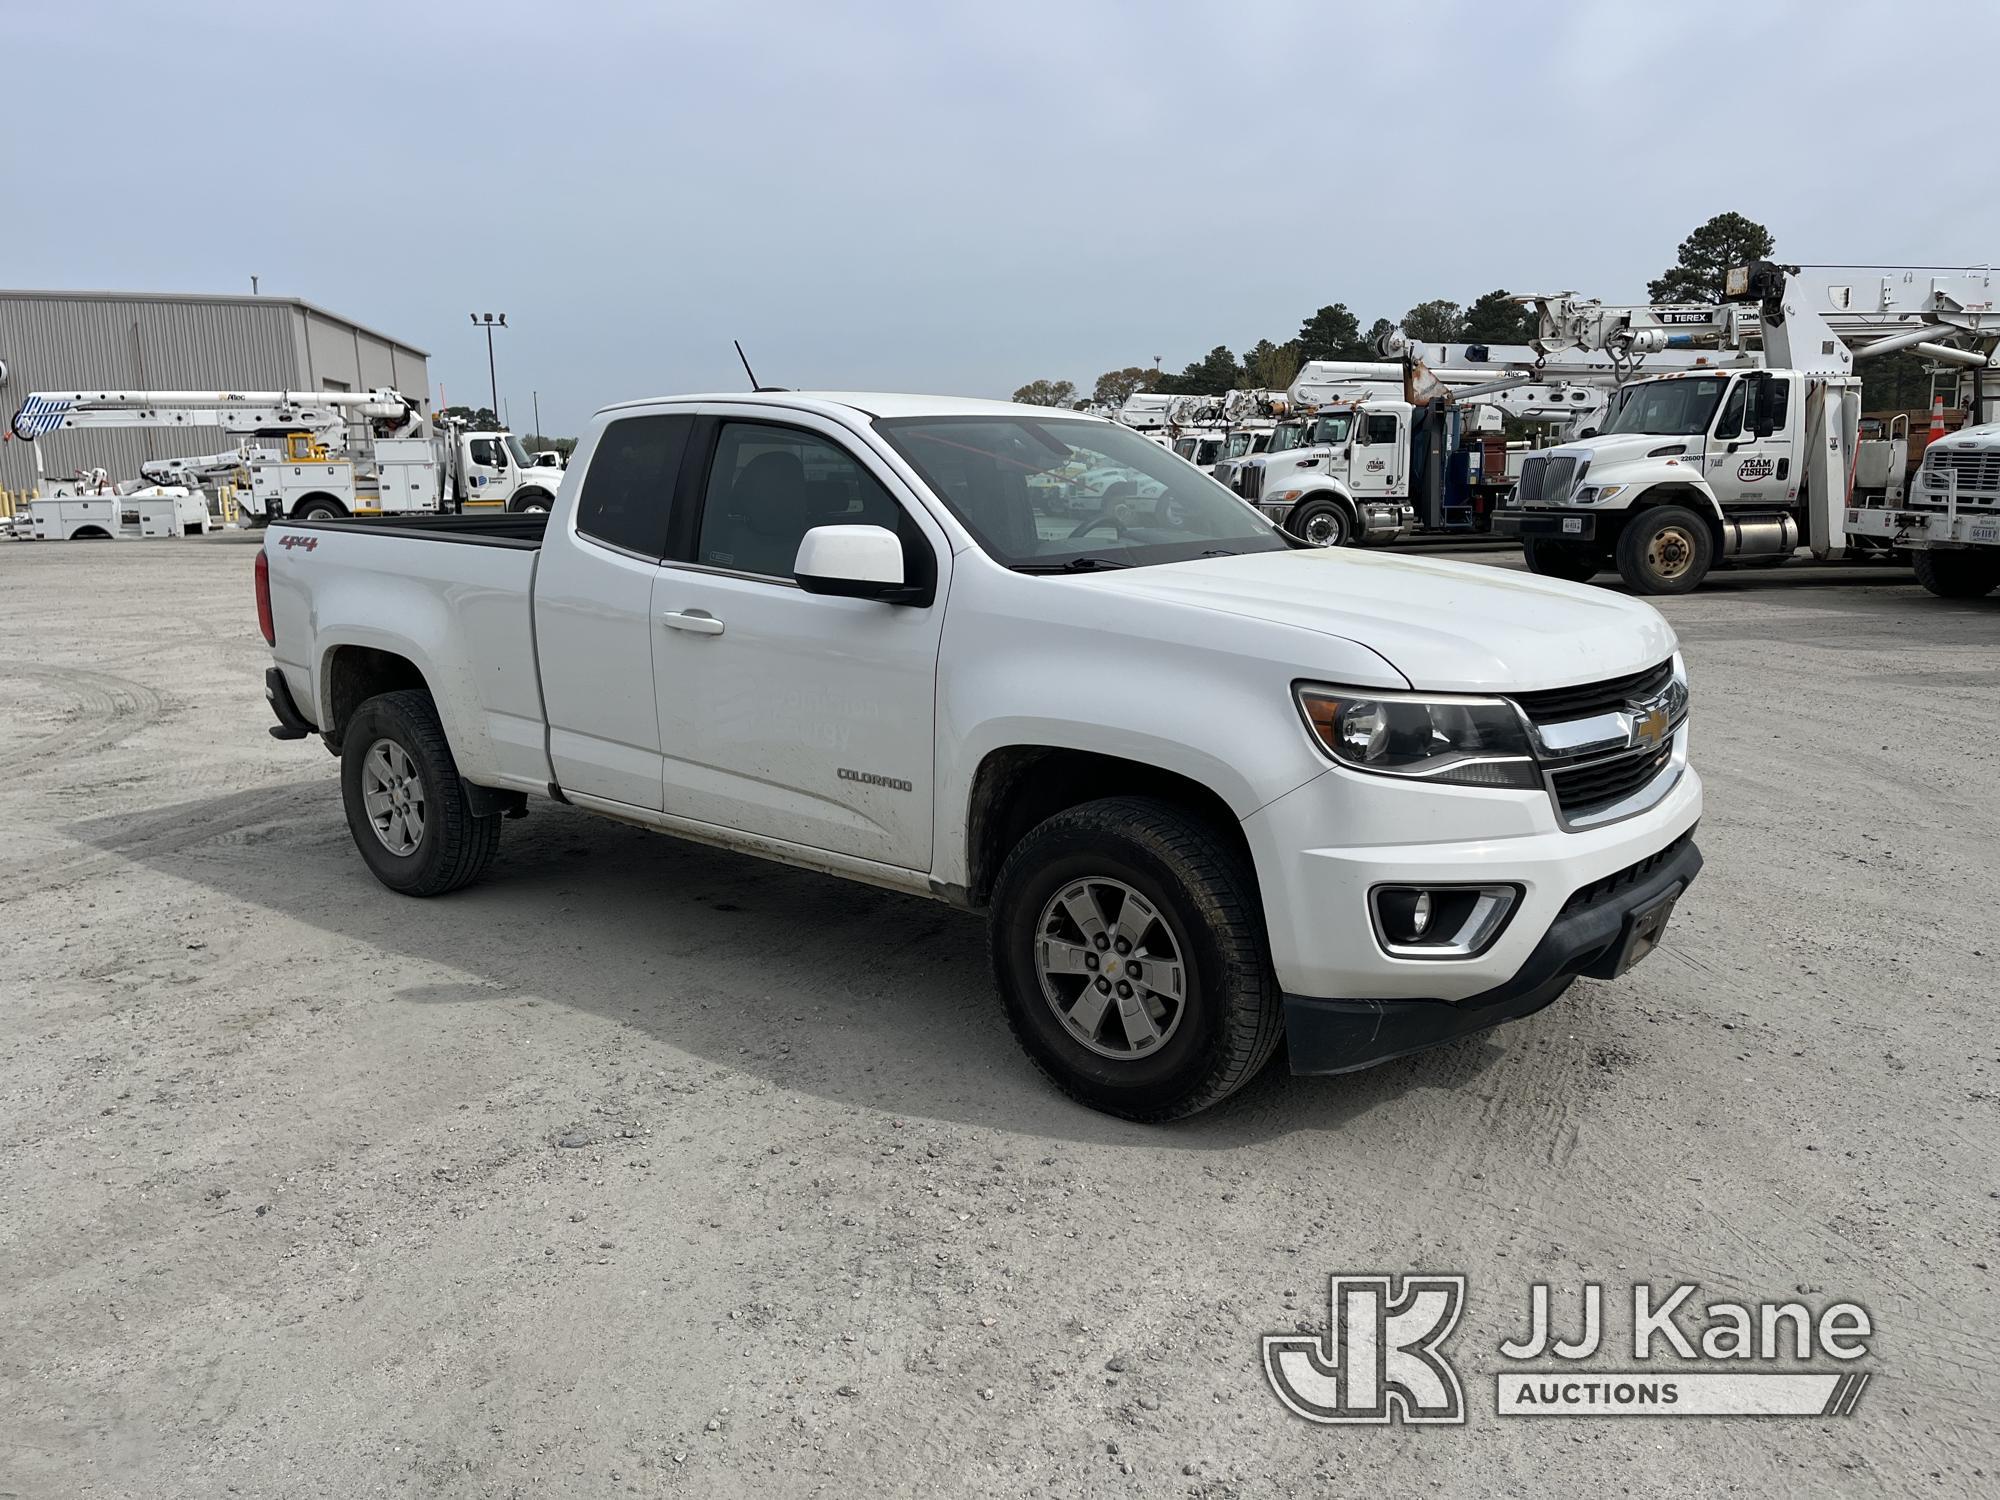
{"type": "Point", "coordinates": [1588, 432]}
{"type": "Point", "coordinates": [852, 562]}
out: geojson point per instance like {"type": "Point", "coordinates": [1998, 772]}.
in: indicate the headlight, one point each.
{"type": "Point", "coordinates": [1460, 741]}
{"type": "Point", "coordinates": [1590, 494]}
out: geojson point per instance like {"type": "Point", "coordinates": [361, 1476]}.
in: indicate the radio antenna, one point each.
{"type": "Point", "coordinates": [746, 365]}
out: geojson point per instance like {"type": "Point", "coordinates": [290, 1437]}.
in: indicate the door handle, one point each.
{"type": "Point", "coordinates": [699, 621]}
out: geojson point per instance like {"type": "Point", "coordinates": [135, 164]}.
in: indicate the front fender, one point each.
{"type": "Point", "coordinates": [1643, 482]}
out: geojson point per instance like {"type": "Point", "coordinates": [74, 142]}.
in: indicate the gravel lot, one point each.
{"type": "Point", "coordinates": [647, 1169]}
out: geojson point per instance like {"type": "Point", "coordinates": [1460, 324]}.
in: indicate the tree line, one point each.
{"type": "Point", "coordinates": [1702, 260]}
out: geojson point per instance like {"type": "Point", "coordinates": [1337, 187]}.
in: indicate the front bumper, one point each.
{"type": "Point", "coordinates": [1586, 939]}
{"type": "Point", "coordinates": [1926, 528]}
{"type": "Point", "coordinates": [1563, 525]}
{"type": "Point", "coordinates": [1321, 848]}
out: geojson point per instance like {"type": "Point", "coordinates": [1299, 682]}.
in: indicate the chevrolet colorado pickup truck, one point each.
{"type": "Point", "coordinates": [1214, 790]}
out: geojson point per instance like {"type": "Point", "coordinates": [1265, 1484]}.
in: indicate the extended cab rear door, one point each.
{"type": "Point", "coordinates": [595, 634]}
{"type": "Point", "coordinates": [785, 714]}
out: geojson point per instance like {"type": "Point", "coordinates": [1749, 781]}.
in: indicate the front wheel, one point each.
{"type": "Point", "coordinates": [1957, 575]}
{"type": "Point", "coordinates": [1127, 941]}
{"type": "Point", "coordinates": [1665, 550]}
{"type": "Point", "coordinates": [1321, 522]}
{"type": "Point", "coordinates": [1576, 562]}
{"type": "Point", "coordinates": [534, 502]}
{"type": "Point", "coordinates": [406, 806]}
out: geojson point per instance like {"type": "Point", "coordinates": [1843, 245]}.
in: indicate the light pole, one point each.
{"type": "Point", "coordinates": [490, 321]}
{"type": "Point", "coordinates": [536, 396]}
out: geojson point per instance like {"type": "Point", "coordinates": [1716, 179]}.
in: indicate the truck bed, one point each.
{"type": "Point", "coordinates": [511, 529]}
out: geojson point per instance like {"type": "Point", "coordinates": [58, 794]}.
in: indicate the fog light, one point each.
{"type": "Point", "coordinates": [1441, 921]}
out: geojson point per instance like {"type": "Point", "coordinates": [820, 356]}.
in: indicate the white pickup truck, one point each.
{"type": "Point", "coordinates": [1214, 790]}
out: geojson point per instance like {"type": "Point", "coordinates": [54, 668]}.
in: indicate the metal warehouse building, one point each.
{"type": "Point", "coordinates": [135, 341]}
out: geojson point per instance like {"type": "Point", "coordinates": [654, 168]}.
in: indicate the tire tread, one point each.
{"type": "Point", "coordinates": [1226, 897]}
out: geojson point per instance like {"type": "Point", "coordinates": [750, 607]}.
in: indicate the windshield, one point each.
{"type": "Point", "coordinates": [1287, 435]}
{"type": "Point", "coordinates": [521, 459]}
{"type": "Point", "coordinates": [1040, 494]}
{"type": "Point", "coordinates": [1332, 429]}
{"type": "Point", "coordinates": [1668, 408]}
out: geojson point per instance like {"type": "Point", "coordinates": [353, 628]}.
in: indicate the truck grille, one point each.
{"type": "Point", "coordinates": [1528, 488]}
{"type": "Point", "coordinates": [1977, 471]}
{"type": "Point", "coordinates": [1591, 788]}
{"type": "Point", "coordinates": [1558, 479]}
{"type": "Point", "coordinates": [1250, 481]}
{"type": "Point", "coordinates": [1552, 705]}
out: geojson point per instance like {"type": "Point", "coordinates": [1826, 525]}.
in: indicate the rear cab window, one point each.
{"type": "Point", "coordinates": [628, 491]}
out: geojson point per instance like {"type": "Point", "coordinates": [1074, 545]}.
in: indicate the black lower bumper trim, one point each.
{"type": "Point", "coordinates": [1342, 1036]}
{"type": "Point", "coordinates": [1545, 523]}
{"type": "Point", "coordinates": [291, 725]}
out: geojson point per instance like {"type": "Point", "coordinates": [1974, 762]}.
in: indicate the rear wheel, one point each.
{"type": "Point", "coordinates": [1578, 562]}
{"type": "Point", "coordinates": [1324, 523]}
{"type": "Point", "coordinates": [1128, 944]}
{"type": "Point", "coordinates": [318, 508]}
{"type": "Point", "coordinates": [1665, 550]}
{"type": "Point", "coordinates": [406, 805]}
{"type": "Point", "coordinates": [1957, 575]}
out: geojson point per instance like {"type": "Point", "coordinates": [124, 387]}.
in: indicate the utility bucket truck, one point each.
{"type": "Point", "coordinates": [1743, 466]}
{"type": "Point", "coordinates": [312, 455]}
{"type": "Point", "coordinates": [1395, 447]}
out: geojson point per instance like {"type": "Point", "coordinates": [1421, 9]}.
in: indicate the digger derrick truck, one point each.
{"type": "Point", "coordinates": [1719, 465]}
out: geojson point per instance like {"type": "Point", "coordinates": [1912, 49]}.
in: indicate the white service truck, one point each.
{"type": "Point", "coordinates": [1701, 467]}
{"type": "Point", "coordinates": [314, 455]}
{"type": "Point", "coordinates": [1216, 792]}
{"type": "Point", "coordinates": [1949, 522]}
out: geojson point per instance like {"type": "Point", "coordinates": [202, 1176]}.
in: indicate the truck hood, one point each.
{"type": "Point", "coordinates": [1447, 627]}
{"type": "Point", "coordinates": [1626, 448]}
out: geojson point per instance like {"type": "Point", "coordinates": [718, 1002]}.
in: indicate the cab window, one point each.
{"type": "Point", "coordinates": [486, 451]}
{"type": "Point", "coordinates": [769, 485]}
{"type": "Point", "coordinates": [1380, 427]}
{"type": "Point", "coordinates": [629, 489]}
{"type": "Point", "coordinates": [1730, 424]}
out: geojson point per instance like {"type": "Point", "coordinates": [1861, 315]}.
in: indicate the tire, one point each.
{"type": "Point", "coordinates": [1324, 523]}
{"type": "Point", "coordinates": [533, 501]}
{"type": "Point", "coordinates": [1225, 1021]}
{"type": "Point", "coordinates": [1577, 562]}
{"type": "Point", "coordinates": [1665, 549]}
{"type": "Point", "coordinates": [451, 847]}
{"type": "Point", "coordinates": [1957, 575]}
{"type": "Point", "coordinates": [318, 508]}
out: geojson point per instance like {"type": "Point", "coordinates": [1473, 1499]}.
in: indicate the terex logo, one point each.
{"type": "Point", "coordinates": [310, 543]}
{"type": "Point", "coordinates": [1380, 1360]}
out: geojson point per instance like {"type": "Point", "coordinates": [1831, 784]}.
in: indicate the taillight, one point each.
{"type": "Point", "coordinates": [264, 599]}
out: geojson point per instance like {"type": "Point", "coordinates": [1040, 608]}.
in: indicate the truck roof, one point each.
{"type": "Point", "coordinates": [869, 403]}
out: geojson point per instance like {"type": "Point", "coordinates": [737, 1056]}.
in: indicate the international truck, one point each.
{"type": "Point", "coordinates": [1216, 792]}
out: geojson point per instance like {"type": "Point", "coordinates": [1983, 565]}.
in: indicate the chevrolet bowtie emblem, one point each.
{"type": "Point", "coordinates": [1649, 727]}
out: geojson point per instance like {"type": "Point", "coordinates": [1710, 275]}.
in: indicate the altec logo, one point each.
{"type": "Point", "coordinates": [1381, 1362]}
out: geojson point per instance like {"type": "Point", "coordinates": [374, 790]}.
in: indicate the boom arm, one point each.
{"type": "Point", "coordinates": [250, 413]}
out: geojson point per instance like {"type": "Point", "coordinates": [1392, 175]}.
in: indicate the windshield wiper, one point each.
{"type": "Point", "coordinates": [1073, 565]}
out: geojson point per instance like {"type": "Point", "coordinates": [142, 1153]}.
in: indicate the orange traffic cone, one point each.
{"type": "Point", "coordinates": [1937, 420]}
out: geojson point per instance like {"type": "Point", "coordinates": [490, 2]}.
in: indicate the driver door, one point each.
{"type": "Point", "coordinates": [485, 472]}
{"type": "Point", "coordinates": [1743, 468]}
{"type": "Point", "coordinates": [795, 716]}
{"type": "Point", "coordinates": [1381, 438]}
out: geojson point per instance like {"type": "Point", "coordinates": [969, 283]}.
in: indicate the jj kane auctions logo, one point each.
{"type": "Point", "coordinates": [1382, 1358]}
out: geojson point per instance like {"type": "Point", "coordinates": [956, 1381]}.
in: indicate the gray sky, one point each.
{"type": "Point", "coordinates": [954, 198]}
